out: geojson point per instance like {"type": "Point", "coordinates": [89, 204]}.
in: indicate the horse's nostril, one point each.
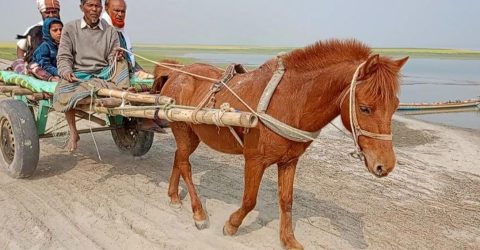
{"type": "Point", "coordinates": [379, 170]}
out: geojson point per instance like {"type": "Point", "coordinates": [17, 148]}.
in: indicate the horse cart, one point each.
{"type": "Point", "coordinates": [25, 110]}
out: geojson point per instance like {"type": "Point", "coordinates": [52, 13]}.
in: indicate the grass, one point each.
{"type": "Point", "coordinates": [8, 51]}
{"type": "Point", "coordinates": [430, 53]}
{"type": "Point", "coordinates": [180, 52]}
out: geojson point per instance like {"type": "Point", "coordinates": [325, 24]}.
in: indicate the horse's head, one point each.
{"type": "Point", "coordinates": [375, 100]}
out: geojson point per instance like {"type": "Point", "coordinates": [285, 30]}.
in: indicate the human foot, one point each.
{"type": "Point", "coordinates": [73, 143]}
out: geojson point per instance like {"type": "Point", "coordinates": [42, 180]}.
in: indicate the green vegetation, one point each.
{"type": "Point", "coordinates": [430, 53]}
{"type": "Point", "coordinates": [181, 53]}
{"type": "Point", "coordinates": [8, 51]}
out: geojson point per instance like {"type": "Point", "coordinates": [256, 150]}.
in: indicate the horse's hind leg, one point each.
{"type": "Point", "coordinates": [253, 176]}
{"type": "Point", "coordinates": [286, 175]}
{"type": "Point", "coordinates": [187, 142]}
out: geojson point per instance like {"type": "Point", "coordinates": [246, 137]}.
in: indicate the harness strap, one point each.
{"type": "Point", "coordinates": [275, 125]}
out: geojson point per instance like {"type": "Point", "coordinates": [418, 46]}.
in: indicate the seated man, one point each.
{"type": "Point", "coordinates": [88, 47]}
{"type": "Point", "coordinates": [115, 13]}
{"type": "Point", "coordinates": [26, 46]}
{"type": "Point", "coordinates": [44, 62]}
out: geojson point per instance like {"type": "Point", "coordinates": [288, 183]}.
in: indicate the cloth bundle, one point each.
{"type": "Point", "coordinates": [43, 5]}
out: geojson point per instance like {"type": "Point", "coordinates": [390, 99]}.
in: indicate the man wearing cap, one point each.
{"type": "Point", "coordinates": [25, 48]}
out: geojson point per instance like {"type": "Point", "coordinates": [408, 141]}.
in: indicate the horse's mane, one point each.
{"type": "Point", "coordinates": [384, 82]}
{"type": "Point", "coordinates": [327, 53]}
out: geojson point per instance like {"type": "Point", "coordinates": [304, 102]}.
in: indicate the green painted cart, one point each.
{"type": "Point", "coordinates": [23, 121]}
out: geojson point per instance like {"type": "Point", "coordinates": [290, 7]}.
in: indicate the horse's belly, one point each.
{"type": "Point", "coordinates": [219, 139]}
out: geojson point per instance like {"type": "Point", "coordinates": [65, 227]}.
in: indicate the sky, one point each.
{"type": "Point", "coordinates": [378, 23]}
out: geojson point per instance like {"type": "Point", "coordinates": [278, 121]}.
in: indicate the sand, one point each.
{"type": "Point", "coordinates": [75, 201]}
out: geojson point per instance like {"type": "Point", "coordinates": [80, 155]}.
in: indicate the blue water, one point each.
{"type": "Point", "coordinates": [424, 80]}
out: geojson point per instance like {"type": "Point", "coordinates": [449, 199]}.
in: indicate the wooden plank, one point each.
{"type": "Point", "coordinates": [81, 131]}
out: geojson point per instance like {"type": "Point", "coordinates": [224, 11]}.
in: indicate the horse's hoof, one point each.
{"type": "Point", "coordinates": [229, 230]}
{"type": "Point", "coordinates": [294, 248]}
{"type": "Point", "coordinates": [295, 245]}
{"type": "Point", "coordinates": [203, 224]}
{"type": "Point", "coordinates": [176, 205]}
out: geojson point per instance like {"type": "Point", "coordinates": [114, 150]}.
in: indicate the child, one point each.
{"type": "Point", "coordinates": [44, 63]}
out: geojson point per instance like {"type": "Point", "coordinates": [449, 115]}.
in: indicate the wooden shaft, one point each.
{"type": "Point", "coordinates": [140, 98]}
{"type": "Point", "coordinates": [238, 119]}
{"type": "Point", "coordinates": [15, 90]}
{"type": "Point", "coordinates": [84, 115]}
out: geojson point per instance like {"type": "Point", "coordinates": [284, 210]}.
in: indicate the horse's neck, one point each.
{"type": "Point", "coordinates": [318, 95]}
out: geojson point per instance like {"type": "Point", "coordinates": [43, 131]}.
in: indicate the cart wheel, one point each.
{"type": "Point", "coordinates": [131, 140]}
{"type": "Point", "coordinates": [19, 144]}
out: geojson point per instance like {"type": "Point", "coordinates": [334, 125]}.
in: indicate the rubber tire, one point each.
{"type": "Point", "coordinates": [131, 140]}
{"type": "Point", "coordinates": [16, 119]}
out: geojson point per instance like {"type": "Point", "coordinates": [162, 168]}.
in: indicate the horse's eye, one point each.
{"type": "Point", "coordinates": [365, 110]}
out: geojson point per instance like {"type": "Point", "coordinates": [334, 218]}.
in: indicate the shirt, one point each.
{"type": "Point", "coordinates": [86, 49]}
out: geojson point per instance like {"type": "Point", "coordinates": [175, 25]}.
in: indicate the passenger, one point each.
{"type": "Point", "coordinates": [45, 56]}
{"type": "Point", "coordinates": [26, 46]}
{"type": "Point", "coordinates": [115, 14]}
{"type": "Point", "coordinates": [88, 47]}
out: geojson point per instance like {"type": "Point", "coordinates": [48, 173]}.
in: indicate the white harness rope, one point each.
{"type": "Point", "coordinates": [301, 136]}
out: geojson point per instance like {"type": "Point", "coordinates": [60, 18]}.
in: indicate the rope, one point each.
{"type": "Point", "coordinates": [167, 66]}
{"type": "Point", "coordinates": [266, 118]}
{"type": "Point", "coordinates": [352, 113]}
{"type": "Point", "coordinates": [262, 117]}
{"type": "Point", "coordinates": [92, 92]}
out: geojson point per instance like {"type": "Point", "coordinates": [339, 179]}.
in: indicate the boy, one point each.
{"type": "Point", "coordinates": [44, 62]}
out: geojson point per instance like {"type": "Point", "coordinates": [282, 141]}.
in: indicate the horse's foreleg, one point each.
{"type": "Point", "coordinates": [187, 142]}
{"type": "Point", "coordinates": [286, 176]}
{"type": "Point", "coordinates": [253, 176]}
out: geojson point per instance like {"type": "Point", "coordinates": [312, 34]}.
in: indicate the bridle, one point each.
{"type": "Point", "coordinates": [357, 131]}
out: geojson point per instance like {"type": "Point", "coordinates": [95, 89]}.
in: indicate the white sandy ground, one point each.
{"type": "Point", "coordinates": [75, 201]}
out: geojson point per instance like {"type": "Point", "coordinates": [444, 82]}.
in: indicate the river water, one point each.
{"type": "Point", "coordinates": [424, 80]}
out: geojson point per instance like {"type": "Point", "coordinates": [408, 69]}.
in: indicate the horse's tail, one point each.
{"type": "Point", "coordinates": [161, 75]}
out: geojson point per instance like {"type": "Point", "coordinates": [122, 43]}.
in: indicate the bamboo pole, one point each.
{"type": "Point", "coordinates": [204, 116]}
{"type": "Point", "coordinates": [36, 97]}
{"type": "Point", "coordinates": [108, 102]}
{"type": "Point", "coordinates": [140, 98]}
{"type": "Point", "coordinates": [15, 90]}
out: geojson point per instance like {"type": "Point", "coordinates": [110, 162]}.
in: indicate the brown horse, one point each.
{"type": "Point", "coordinates": [313, 91]}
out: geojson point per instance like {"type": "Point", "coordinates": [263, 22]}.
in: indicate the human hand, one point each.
{"type": "Point", "coordinates": [55, 79]}
{"type": "Point", "coordinates": [70, 77]}
{"type": "Point", "coordinates": [119, 54]}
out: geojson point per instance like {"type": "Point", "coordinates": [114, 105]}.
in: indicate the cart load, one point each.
{"type": "Point", "coordinates": [23, 119]}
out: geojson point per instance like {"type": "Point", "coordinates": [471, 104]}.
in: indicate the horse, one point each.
{"type": "Point", "coordinates": [161, 75]}
{"type": "Point", "coordinates": [316, 87]}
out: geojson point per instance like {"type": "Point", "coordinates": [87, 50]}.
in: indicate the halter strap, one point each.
{"type": "Point", "coordinates": [357, 131]}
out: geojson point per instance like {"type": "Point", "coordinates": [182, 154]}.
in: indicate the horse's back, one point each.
{"type": "Point", "coordinates": [187, 89]}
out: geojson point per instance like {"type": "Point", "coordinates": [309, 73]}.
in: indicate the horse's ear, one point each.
{"type": "Point", "coordinates": [369, 68]}
{"type": "Point", "coordinates": [399, 63]}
